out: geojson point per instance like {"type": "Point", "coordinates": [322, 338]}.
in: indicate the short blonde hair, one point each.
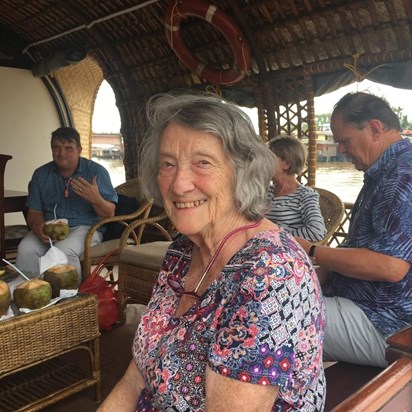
{"type": "Point", "coordinates": [291, 150]}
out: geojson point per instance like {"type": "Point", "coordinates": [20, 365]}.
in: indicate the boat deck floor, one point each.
{"type": "Point", "coordinates": [115, 355]}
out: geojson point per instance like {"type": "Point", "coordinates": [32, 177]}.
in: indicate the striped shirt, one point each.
{"type": "Point", "coordinates": [298, 213]}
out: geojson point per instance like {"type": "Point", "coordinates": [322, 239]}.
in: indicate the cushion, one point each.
{"type": "Point", "coordinates": [102, 249]}
{"type": "Point", "coordinates": [15, 231]}
{"type": "Point", "coordinates": [146, 255]}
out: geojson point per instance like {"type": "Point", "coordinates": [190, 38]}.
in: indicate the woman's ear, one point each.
{"type": "Point", "coordinates": [285, 165]}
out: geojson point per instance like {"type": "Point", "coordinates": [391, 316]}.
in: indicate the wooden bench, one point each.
{"type": "Point", "coordinates": [364, 388]}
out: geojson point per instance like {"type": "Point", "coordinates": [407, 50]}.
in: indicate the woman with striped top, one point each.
{"type": "Point", "coordinates": [293, 206]}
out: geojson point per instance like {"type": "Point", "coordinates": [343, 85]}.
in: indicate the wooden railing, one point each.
{"type": "Point", "coordinates": [388, 391]}
{"type": "Point", "coordinates": [341, 232]}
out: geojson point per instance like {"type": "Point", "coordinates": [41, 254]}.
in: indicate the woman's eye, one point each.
{"type": "Point", "coordinates": [166, 165]}
{"type": "Point", "coordinates": [204, 162]}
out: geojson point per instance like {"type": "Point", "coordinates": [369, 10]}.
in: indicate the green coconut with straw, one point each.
{"type": "Point", "coordinates": [56, 229]}
{"type": "Point", "coordinates": [32, 294]}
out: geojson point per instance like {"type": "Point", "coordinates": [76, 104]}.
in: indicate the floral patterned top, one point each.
{"type": "Point", "coordinates": [261, 321]}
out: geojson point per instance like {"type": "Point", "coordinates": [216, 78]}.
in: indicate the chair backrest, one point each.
{"type": "Point", "coordinates": [332, 209]}
{"type": "Point", "coordinates": [131, 188]}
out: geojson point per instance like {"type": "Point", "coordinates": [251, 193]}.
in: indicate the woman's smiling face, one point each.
{"type": "Point", "coordinates": [195, 180]}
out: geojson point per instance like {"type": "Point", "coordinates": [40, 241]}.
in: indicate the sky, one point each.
{"type": "Point", "coordinates": [106, 117]}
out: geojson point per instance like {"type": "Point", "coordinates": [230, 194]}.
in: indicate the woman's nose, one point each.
{"type": "Point", "coordinates": [183, 181]}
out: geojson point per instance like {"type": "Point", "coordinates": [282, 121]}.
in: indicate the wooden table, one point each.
{"type": "Point", "coordinates": [15, 201]}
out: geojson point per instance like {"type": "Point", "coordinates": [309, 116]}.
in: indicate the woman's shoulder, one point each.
{"type": "Point", "coordinates": [272, 241]}
{"type": "Point", "coordinates": [307, 192]}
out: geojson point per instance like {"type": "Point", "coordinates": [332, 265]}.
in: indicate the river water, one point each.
{"type": "Point", "coordinates": [340, 178]}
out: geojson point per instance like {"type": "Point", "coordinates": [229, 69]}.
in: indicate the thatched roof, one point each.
{"type": "Point", "coordinates": [125, 42]}
{"type": "Point", "coordinates": [127, 38]}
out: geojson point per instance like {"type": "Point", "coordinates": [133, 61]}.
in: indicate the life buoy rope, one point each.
{"type": "Point", "coordinates": [178, 10]}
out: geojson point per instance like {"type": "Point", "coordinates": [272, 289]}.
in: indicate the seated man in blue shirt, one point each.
{"type": "Point", "coordinates": [70, 187]}
{"type": "Point", "coordinates": [371, 275]}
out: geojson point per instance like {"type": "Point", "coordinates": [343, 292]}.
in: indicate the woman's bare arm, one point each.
{"type": "Point", "coordinates": [225, 395]}
{"type": "Point", "coordinates": [124, 396]}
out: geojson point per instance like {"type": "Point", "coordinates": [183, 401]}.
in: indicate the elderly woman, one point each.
{"type": "Point", "coordinates": [293, 206]}
{"type": "Point", "coordinates": [236, 318]}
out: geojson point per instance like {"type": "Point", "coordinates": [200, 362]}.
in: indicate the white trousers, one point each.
{"type": "Point", "coordinates": [350, 336]}
{"type": "Point", "coordinates": [31, 248]}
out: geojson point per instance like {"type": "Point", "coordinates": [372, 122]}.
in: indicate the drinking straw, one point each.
{"type": "Point", "coordinates": [54, 211]}
{"type": "Point", "coordinates": [16, 269]}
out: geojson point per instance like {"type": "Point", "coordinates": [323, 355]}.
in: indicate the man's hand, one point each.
{"type": "Point", "coordinates": [38, 231]}
{"type": "Point", "coordinates": [87, 191]}
{"type": "Point", "coordinates": [90, 193]}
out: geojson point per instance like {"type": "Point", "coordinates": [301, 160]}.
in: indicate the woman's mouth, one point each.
{"type": "Point", "coordinates": [188, 205]}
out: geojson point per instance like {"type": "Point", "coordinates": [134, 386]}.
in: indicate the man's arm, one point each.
{"type": "Point", "coordinates": [362, 263]}
{"type": "Point", "coordinates": [90, 193]}
{"type": "Point", "coordinates": [125, 394]}
{"type": "Point", "coordinates": [35, 221]}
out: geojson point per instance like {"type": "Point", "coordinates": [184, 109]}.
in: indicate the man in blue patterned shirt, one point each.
{"type": "Point", "coordinates": [370, 277]}
{"type": "Point", "coordinates": [69, 187]}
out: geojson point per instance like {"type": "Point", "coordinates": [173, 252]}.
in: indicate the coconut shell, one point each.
{"type": "Point", "coordinates": [5, 297]}
{"type": "Point", "coordinates": [56, 229]}
{"type": "Point", "coordinates": [64, 275]}
{"type": "Point", "coordinates": [32, 294]}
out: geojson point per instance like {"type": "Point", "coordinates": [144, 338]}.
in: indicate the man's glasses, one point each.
{"type": "Point", "coordinates": [175, 285]}
{"type": "Point", "coordinates": [179, 289]}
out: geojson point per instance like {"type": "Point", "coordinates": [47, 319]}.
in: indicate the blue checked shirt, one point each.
{"type": "Point", "coordinates": [47, 193]}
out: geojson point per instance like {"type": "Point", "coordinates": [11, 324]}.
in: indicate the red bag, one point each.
{"type": "Point", "coordinates": [108, 309]}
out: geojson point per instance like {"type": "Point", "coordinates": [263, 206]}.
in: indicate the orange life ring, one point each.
{"type": "Point", "coordinates": [177, 10]}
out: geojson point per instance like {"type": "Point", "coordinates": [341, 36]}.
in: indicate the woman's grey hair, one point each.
{"type": "Point", "coordinates": [253, 162]}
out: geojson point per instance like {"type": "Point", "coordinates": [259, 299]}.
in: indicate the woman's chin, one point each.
{"type": "Point", "coordinates": [188, 228]}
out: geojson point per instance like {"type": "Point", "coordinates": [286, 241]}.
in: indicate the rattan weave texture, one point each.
{"type": "Point", "coordinates": [45, 333]}
{"type": "Point", "coordinates": [333, 210]}
{"type": "Point", "coordinates": [32, 374]}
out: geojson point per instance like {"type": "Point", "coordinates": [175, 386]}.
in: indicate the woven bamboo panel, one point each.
{"type": "Point", "coordinates": [80, 84]}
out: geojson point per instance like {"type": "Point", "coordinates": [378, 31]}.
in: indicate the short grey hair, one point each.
{"type": "Point", "coordinates": [359, 107]}
{"type": "Point", "coordinates": [252, 160]}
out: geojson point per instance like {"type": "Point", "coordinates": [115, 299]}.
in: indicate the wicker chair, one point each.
{"type": "Point", "coordinates": [92, 255]}
{"type": "Point", "coordinates": [139, 265]}
{"type": "Point", "coordinates": [333, 210]}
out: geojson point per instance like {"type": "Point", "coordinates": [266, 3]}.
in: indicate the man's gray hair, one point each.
{"type": "Point", "coordinates": [253, 162]}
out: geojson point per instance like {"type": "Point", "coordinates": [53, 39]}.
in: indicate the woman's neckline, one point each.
{"type": "Point", "coordinates": [220, 248]}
